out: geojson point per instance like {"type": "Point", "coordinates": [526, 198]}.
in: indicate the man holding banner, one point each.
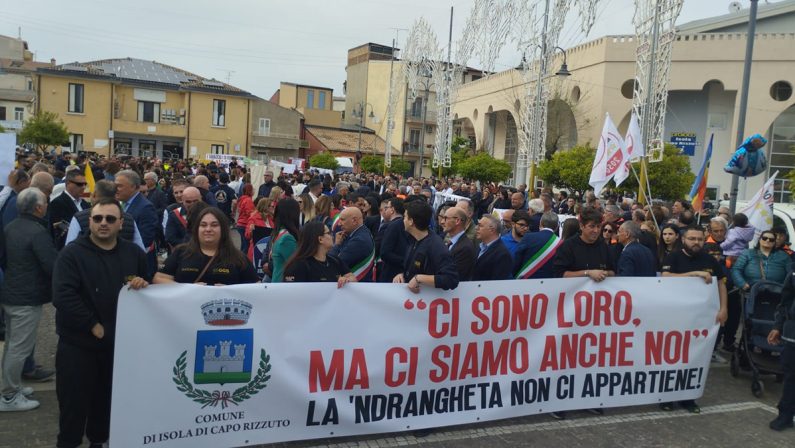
{"type": "Point", "coordinates": [354, 244]}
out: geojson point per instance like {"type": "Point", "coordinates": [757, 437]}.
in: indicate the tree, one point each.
{"type": "Point", "coordinates": [459, 151]}
{"type": "Point", "coordinates": [43, 130]}
{"type": "Point", "coordinates": [484, 168]}
{"type": "Point", "coordinates": [375, 164]}
{"type": "Point", "coordinates": [2, 129]}
{"type": "Point", "coordinates": [568, 169]}
{"type": "Point", "coordinates": [670, 178]}
{"type": "Point", "coordinates": [324, 160]}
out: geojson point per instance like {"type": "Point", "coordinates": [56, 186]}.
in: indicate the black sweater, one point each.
{"type": "Point", "coordinates": [86, 285]}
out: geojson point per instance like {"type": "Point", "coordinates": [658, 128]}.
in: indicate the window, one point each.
{"type": "Point", "coordinates": [416, 108]}
{"type": "Point", "coordinates": [217, 149]}
{"type": "Point", "coordinates": [148, 112]}
{"type": "Point", "coordinates": [310, 99]}
{"type": "Point", "coordinates": [76, 142]}
{"type": "Point", "coordinates": [30, 83]}
{"type": "Point", "coordinates": [2, 113]}
{"type": "Point", "coordinates": [219, 113]}
{"type": "Point", "coordinates": [264, 127]}
{"type": "Point", "coordinates": [414, 139]}
{"type": "Point", "coordinates": [19, 113]}
{"type": "Point", "coordinates": [321, 100]}
{"type": "Point", "coordinates": [76, 98]}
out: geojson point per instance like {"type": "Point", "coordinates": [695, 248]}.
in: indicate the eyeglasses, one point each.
{"type": "Point", "coordinates": [767, 238]}
{"type": "Point", "coordinates": [79, 184]}
{"type": "Point", "coordinates": [110, 219]}
{"type": "Point", "coordinates": [608, 231]}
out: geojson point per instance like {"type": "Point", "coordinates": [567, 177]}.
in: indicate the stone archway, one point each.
{"type": "Point", "coordinates": [561, 127]}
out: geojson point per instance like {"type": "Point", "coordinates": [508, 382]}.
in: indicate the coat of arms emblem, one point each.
{"type": "Point", "coordinates": [223, 356]}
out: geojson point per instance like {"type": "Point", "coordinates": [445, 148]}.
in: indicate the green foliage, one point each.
{"type": "Point", "coordinates": [484, 167]}
{"type": "Point", "coordinates": [568, 169]}
{"type": "Point", "coordinates": [2, 129]}
{"type": "Point", "coordinates": [43, 130]}
{"type": "Point", "coordinates": [324, 160]}
{"type": "Point", "coordinates": [670, 179]}
{"type": "Point", "coordinates": [459, 151]}
{"type": "Point", "coordinates": [375, 164]}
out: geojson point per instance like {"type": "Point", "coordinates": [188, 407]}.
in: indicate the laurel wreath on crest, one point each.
{"type": "Point", "coordinates": [224, 398]}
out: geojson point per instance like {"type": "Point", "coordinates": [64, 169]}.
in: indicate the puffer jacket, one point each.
{"type": "Point", "coordinates": [749, 266]}
{"type": "Point", "coordinates": [737, 239]}
{"type": "Point", "coordinates": [30, 257]}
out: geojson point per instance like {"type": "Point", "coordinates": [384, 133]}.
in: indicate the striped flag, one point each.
{"type": "Point", "coordinates": [699, 189]}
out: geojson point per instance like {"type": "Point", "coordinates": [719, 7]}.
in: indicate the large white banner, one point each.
{"type": "Point", "coordinates": [199, 366]}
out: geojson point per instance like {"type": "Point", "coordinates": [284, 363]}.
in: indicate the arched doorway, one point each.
{"type": "Point", "coordinates": [561, 127]}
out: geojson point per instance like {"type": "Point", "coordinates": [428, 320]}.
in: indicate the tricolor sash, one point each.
{"type": "Point", "coordinates": [539, 258]}
{"type": "Point", "coordinates": [363, 266]}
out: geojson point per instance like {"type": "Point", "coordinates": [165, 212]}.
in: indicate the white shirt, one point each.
{"type": "Point", "coordinates": [78, 203]}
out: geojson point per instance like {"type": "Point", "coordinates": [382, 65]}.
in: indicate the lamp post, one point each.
{"type": "Point", "coordinates": [359, 112]}
{"type": "Point", "coordinates": [563, 72]}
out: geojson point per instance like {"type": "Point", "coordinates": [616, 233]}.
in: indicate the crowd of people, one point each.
{"type": "Point", "coordinates": [154, 221]}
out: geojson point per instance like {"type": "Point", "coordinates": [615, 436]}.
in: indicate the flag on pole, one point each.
{"type": "Point", "coordinates": [699, 189]}
{"type": "Point", "coordinates": [760, 209]}
{"type": "Point", "coordinates": [609, 156]}
{"type": "Point", "coordinates": [633, 149]}
{"type": "Point", "coordinates": [89, 175]}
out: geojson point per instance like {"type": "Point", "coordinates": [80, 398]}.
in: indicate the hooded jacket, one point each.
{"type": "Point", "coordinates": [737, 239]}
{"type": "Point", "coordinates": [86, 284]}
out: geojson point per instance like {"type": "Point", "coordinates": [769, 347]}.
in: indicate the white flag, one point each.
{"type": "Point", "coordinates": [760, 209]}
{"type": "Point", "coordinates": [609, 156]}
{"type": "Point", "coordinates": [633, 149]}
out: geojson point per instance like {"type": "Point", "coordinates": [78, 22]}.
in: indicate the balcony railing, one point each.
{"type": "Point", "coordinates": [260, 133]}
{"type": "Point", "coordinates": [415, 115]}
{"type": "Point", "coordinates": [9, 125]}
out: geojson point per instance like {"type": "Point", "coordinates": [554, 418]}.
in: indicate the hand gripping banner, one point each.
{"type": "Point", "coordinates": [200, 366]}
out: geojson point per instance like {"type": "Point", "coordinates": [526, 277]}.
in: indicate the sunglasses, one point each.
{"type": "Point", "coordinates": [79, 184]}
{"type": "Point", "coordinates": [110, 219]}
{"type": "Point", "coordinates": [767, 238]}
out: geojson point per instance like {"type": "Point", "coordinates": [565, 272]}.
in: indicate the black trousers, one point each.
{"type": "Point", "coordinates": [787, 404]}
{"type": "Point", "coordinates": [728, 332]}
{"type": "Point", "coordinates": [83, 387]}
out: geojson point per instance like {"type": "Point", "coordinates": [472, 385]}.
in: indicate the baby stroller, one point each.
{"type": "Point", "coordinates": [754, 353]}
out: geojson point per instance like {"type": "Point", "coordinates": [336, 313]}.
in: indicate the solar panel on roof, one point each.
{"type": "Point", "coordinates": [144, 71]}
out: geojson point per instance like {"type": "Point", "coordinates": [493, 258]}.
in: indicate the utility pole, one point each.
{"type": "Point", "coordinates": [749, 56]}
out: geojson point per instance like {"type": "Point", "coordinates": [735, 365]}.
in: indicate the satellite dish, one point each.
{"type": "Point", "coordinates": [735, 7]}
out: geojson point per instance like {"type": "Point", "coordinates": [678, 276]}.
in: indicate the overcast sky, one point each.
{"type": "Point", "coordinates": [258, 43]}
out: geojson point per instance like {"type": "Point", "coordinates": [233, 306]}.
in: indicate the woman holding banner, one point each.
{"type": "Point", "coordinates": [209, 257]}
{"type": "Point", "coordinates": [311, 261]}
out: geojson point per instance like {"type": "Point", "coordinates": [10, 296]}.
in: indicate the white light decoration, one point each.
{"type": "Point", "coordinates": [655, 31]}
{"type": "Point", "coordinates": [395, 81]}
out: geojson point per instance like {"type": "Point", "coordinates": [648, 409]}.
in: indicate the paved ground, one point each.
{"type": "Point", "coordinates": [731, 417]}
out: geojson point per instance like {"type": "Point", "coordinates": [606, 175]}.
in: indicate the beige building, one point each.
{"type": "Point", "coordinates": [316, 104]}
{"type": "Point", "coordinates": [276, 132]}
{"type": "Point", "coordinates": [705, 80]}
{"type": "Point", "coordinates": [137, 107]}
{"type": "Point", "coordinates": [367, 88]}
{"type": "Point", "coordinates": [17, 73]}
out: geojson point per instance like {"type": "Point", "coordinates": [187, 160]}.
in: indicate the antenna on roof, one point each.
{"type": "Point", "coordinates": [228, 74]}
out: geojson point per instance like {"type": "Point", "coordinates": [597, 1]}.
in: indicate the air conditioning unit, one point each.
{"type": "Point", "coordinates": [428, 129]}
{"type": "Point", "coordinates": [424, 162]}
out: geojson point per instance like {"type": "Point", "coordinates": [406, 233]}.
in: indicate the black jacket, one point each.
{"type": "Point", "coordinates": [394, 245]}
{"type": "Point", "coordinates": [495, 264]}
{"type": "Point", "coordinates": [430, 256]}
{"type": "Point", "coordinates": [785, 313]}
{"type": "Point", "coordinates": [86, 285]}
{"type": "Point", "coordinates": [464, 254]}
{"type": "Point", "coordinates": [30, 256]}
{"type": "Point", "coordinates": [62, 209]}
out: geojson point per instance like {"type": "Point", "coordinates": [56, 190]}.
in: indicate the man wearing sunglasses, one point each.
{"type": "Point", "coordinates": [87, 279]}
{"type": "Point", "coordinates": [64, 207]}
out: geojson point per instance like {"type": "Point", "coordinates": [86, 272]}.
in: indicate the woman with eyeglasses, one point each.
{"type": "Point", "coordinates": [209, 257]}
{"type": "Point", "coordinates": [764, 262]}
{"type": "Point", "coordinates": [311, 261]}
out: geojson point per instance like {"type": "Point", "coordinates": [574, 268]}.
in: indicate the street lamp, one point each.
{"type": "Point", "coordinates": [359, 112]}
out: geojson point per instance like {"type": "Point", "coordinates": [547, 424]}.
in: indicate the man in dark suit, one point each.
{"type": "Point", "coordinates": [155, 196]}
{"type": "Point", "coordinates": [64, 207]}
{"type": "Point", "coordinates": [636, 260]}
{"type": "Point", "coordinates": [394, 240]}
{"type": "Point", "coordinates": [462, 249]}
{"type": "Point", "coordinates": [354, 244]}
{"type": "Point", "coordinates": [494, 262]}
{"type": "Point", "coordinates": [128, 184]}
{"type": "Point", "coordinates": [536, 250]}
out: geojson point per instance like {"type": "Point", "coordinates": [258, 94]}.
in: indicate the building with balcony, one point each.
{"type": "Point", "coordinates": [368, 71]}
{"type": "Point", "coordinates": [146, 108]}
{"type": "Point", "coordinates": [703, 97]}
{"type": "Point", "coordinates": [276, 132]}
{"type": "Point", "coordinates": [17, 92]}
